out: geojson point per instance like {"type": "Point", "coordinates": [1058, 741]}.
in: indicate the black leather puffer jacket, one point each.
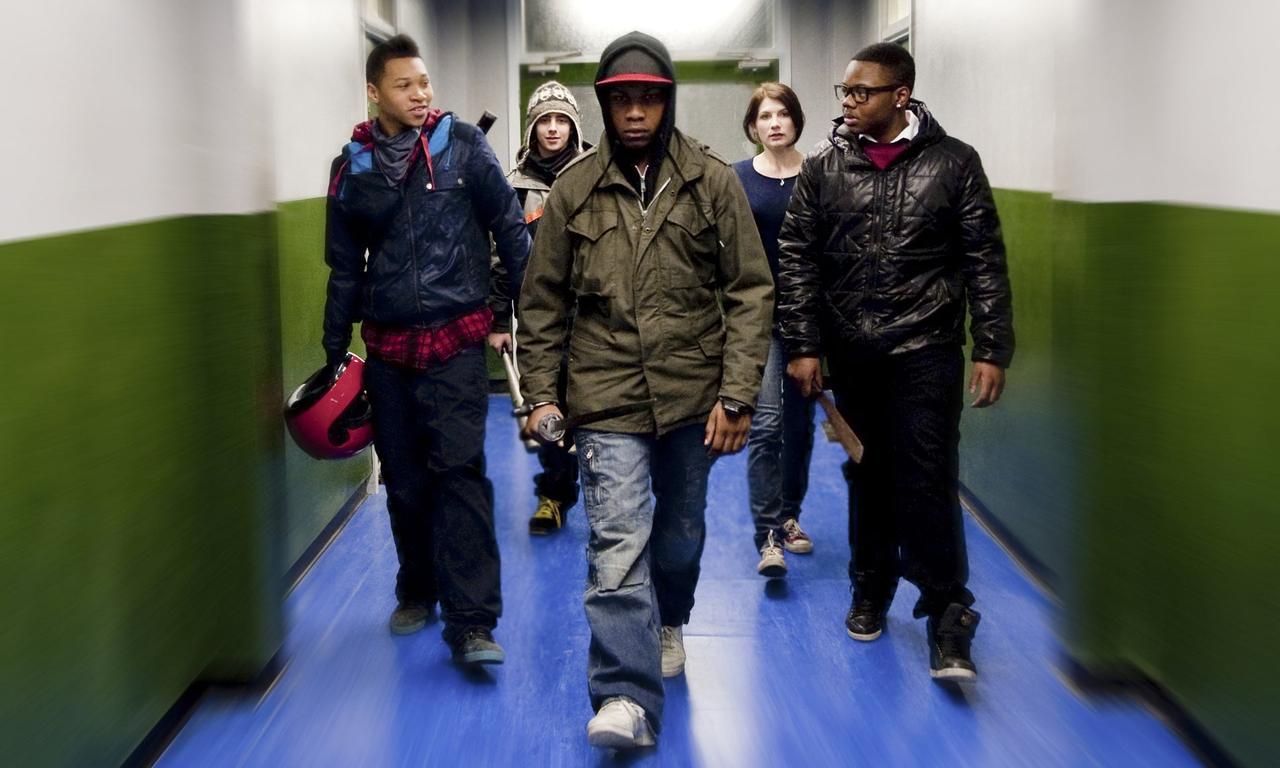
{"type": "Point", "coordinates": [885, 259]}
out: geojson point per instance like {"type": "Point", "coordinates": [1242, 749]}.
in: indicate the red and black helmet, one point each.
{"type": "Point", "coordinates": [329, 415]}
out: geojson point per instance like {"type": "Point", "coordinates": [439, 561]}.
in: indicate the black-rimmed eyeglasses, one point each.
{"type": "Point", "coordinates": [861, 93]}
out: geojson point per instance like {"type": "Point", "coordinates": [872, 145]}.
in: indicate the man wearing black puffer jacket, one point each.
{"type": "Point", "coordinates": [891, 227]}
{"type": "Point", "coordinates": [421, 193]}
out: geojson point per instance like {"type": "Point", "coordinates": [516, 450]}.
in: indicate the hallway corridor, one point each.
{"type": "Point", "coordinates": [771, 680]}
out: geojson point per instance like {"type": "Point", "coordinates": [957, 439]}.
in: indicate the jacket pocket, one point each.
{"type": "Point", "coordinates": [367, 200]}
{"type": "Point", "coordinates": [589, 230]}
{"type": "Point", "coordinates": [443, 205]}
{"type": "Point", "coordinates": [446, 181]}
{"type": "Point", "coordinates": [591, 336]}
{"type": "Point", "coordinates": [712, 342]}
{"type": "Point", "coordinates": [693, 247]}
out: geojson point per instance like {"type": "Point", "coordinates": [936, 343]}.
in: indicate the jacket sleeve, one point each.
{"type": "Point", "coordinates": [496, 206]}
{"type": "Point", "coordinates": [344, 250]}
{"type": "Point", "coordinates": [499, 299]}
{"type": "Point", "coordinates": [746, 286]}
{"type": "Point", "coordinates": [799, 285]}
{"type": "Point", "coordinates": [984, 268]}
{"type": "Point", "coordinates": [545, 300]}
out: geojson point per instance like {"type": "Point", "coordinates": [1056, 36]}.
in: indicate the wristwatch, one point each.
{"type": "Point", "coordinates": [735, 407]}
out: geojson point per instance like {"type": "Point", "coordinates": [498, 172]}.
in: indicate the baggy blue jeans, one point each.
{"type": "Point", "coordinates": [645, 498]}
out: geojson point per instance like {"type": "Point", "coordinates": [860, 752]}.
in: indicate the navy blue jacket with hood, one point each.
{"type": "Point", "coordinates": [427, 237]}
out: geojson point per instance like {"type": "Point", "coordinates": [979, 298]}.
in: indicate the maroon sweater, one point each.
{"type": "Point", "coordinates": [881, 155]}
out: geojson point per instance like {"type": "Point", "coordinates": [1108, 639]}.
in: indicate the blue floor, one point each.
{"type": "Point", "coordinates": [771, 679]}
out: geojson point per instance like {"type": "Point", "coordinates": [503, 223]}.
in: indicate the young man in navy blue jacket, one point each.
{"type": "Point", "coordinates": [421, 192]}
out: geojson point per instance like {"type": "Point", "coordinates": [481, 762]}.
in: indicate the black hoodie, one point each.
{"type": "Point", "coordinates": [658, 150]}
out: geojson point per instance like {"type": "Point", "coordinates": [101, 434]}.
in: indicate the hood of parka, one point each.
{"type": "Point", "coordinates": [637, 58]}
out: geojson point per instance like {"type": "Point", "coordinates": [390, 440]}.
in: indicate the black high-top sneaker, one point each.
{"type": "Point", "coordinates": [950, 636]}
{"type": "Point", "coordinates": [475, 645]}
{"type": "Point", "coordinates": [865, 621]}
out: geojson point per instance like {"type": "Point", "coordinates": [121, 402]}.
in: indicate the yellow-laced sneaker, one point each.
{"type": "Point", "coordinates": [546, 518]}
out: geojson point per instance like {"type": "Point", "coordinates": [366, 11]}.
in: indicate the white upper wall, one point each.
{"type": "Point", "coordinates": [824, 35]}
{"type": "Point", "coordinates": [318, 87]}
{"type": "Point", "coordinates": [985, 68]}
{"type": "Point", "coordinates": [468, 61]}
{"type": "Point", "coordinates": [177, 108]}
{"type": "Point", "coordinates": [161, 109]}
{"type": "Point", "coordinates": [1152, 100]}
{"type": "Point", "coordinates": [141, 109]}
{"type": "Point", "coordinates": [316, 73]}
{"type": "Point", "coordinates": [1170, 101]}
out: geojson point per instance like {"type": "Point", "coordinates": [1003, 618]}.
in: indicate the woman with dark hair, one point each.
{"type": "Point", "coordinates": [781, 437]}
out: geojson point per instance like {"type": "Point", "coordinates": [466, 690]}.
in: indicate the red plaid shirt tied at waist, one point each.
{"type": "Point", "coordinates": [421, 348]}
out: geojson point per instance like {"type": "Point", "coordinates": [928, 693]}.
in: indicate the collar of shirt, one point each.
{"type": "Point", "coordinates": [908, 133]}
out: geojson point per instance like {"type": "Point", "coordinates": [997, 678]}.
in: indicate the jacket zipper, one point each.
{"type": "Point", "coordinates": [902, 200]}
{"type": "Point", "coordinates": [876, 206]}
{"type": "Point", "coordinates": [413, 241]}
{"type": "Point", "coordinates": [413, 248]}
{"type": "Point", "coordinates": [644, 211]}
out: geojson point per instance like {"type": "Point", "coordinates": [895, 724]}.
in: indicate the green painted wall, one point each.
{"type": "Point", "coordinates": [152, 500]}
{"type": "Point", "coordinates": [1014, 456]}
{"type": "Point", "coordinates": [317, 489]}
{"type": "Point", "coordinates": [141, 475]}
{"type": "Point", "coordinates": [1174, 344]}
{"type": "Point", "coordinates": [1134, 454]}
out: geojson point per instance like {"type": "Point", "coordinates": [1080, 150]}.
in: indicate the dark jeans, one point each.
{"type": "Point", "coordinates": [904, 508]}
{"type": "Point", "coordinates": [558, 479]}
{"type": "Point", "coordinates": [429, 434]}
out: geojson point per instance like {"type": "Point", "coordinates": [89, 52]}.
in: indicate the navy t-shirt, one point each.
{"type": "Point", "coordinates": [768, 198]}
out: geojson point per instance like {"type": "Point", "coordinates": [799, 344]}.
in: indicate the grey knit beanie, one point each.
{"type": "Point", "coordinates": [548, 98]}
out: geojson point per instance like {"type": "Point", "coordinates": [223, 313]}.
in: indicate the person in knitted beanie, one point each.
{"type": "Point", "coordinates": [553, 138]}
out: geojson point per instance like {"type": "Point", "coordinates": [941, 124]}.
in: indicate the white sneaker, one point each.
{"type": "Point", "coordinates": [620, 724]}
{"type": "Point", "coordinates": [772, 564]}
{"type": "Point", "coordinates": [672, 651]}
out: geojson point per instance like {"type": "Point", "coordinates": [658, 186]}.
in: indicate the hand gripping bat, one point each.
{"type": "Point", "coordinates": [517, 400]}
{"type": "Point", "coordinates": [844, 433]}
{"type": "Point", "coordinates": [552, 428]}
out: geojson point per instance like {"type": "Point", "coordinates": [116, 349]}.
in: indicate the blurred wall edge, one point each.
{"type": "Point", "coordinates": [162, 283]}
{"type": "Point", "coordinates": [1134, 455]}
{"type": "Point", "coordinates": [161, 288]}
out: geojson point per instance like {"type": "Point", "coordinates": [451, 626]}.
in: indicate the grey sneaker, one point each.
{"type": "Point", "coordinates": [772, 564]}
{"type": "Point", "coordinates": [794, 539]}
{"type": "Point", "coordinates": [672, 651]}
{"type": "Point", "coordinates": [620, 724]}
{"type": "Point", "coordinates": [410, 617]}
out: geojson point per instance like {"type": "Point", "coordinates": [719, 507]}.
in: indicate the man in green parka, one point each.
{"type": "Point", "coordinates": [651, 238]}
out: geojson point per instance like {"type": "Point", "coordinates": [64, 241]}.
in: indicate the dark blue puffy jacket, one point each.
{"type": "Point", "coordinates": [427, 237]}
